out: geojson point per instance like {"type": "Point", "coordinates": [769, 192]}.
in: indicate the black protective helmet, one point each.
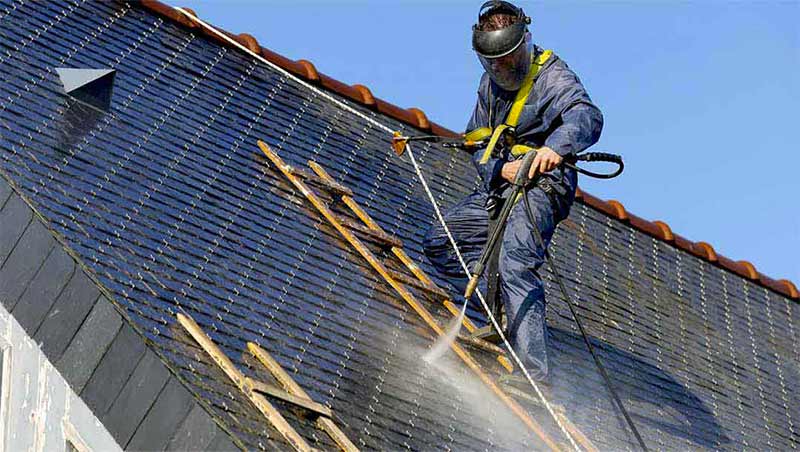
{"type": "Point", "coordinates": [504, 53]}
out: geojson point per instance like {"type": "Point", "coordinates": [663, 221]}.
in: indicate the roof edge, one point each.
{"type": "Point", "coordinates": [417, 118]}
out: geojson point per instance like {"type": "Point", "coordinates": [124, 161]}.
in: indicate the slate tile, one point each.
{"type": "Point", "coordinates": [44, 289]}
{"type": "Point", "coordinates": [5, 192]}
{"type": "Point", "coordinates": [136, 397]}
{"type": "Point", "coordinates": [66, 315]}
{"type": "Point", "coordinates": [222, 443]}
{"type": "Point", "coordinates": [114, 370]}
{"type": "Point", "coordinates": [24, 261]}
{"type": "Point", "coordinates": [167, 414]}
{"type": "Point", "coordinates": [14, 218]}
{"type": "Point", "coordinates": [196, 432]}
{"type": "Point", "coordinates": [89, 344]}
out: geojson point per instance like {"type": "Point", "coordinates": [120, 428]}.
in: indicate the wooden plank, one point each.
{"type": "Point", "coordinates": [455, 310]}
{"type": "Point", "coordinates": [409, 299]}
{"type": "Point", "coordinates": [481, 344]}
{"type": "Point", "coordinates": [489, 335]}
{"type": "Point", "coordinates": [486, 333]}
{"type": "Point", "coordinates": [367, 220]}
{"type": "Point", "coordinates": [372, 235]}
{"type": "Point", "coordinates": [337, 435]}
{"type": "Point", "coordinates": [409, 263]}
{"type": "Point", "coordinates": [506, 363]}
{"type": "Point", "coordinates": [471, 328]}
{"type": "Point", "coordinates": [277, 420]}
{"type": "Point", "coordinates": [277, 371]}
{"type": "Point", "coordinates": [227, 366]}
{"type": "Point", "coordinates": [434, 292]}
{"type": "Point", "coordinates": [217, 355]}
{"type": "Point", "coordinates": [331, 186]}
{"type": "Point", "coordinates": [278, 393]}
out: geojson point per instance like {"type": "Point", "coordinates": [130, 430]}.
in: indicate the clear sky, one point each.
{"type": "Point", "coordinates": [701, 98]}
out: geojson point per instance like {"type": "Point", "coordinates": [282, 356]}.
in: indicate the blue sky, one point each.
{"type": "Point", "coordinates": [701, 98]}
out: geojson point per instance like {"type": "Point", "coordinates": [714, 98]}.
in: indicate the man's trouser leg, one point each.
{"type": "Point", "coordinates": [467, 221]}
{"type": "Point", "coordinates": [521, 288]}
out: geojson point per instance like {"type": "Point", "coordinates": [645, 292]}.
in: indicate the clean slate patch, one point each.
{"type": "Point", "coordinates": [24, 262]}
{"type": "Point", "coordinates": [136, 397]}
{"type": "Point", "coordinates": [44, 289]}
{"type": "Point", "coordinates": [114, 369]}
{"type": "Point", "coordinates": [90, 344]}
{"type": "Point", "coordinates": [66, 315]}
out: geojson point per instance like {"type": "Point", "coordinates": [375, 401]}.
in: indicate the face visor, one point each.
{"type": "Point", "coordinates": [505, 54]}
{"type": "Point", "coordinates": [508, 71]}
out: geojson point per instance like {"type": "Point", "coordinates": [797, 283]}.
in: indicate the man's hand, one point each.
{"type": "Point", "coordinates": [546, 160]}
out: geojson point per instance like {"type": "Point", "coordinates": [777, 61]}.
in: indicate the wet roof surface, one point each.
{"type": "Point", "coordinates": [168, 199]}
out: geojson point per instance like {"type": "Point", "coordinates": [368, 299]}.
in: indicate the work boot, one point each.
{"type": "Point", "coordinates": [517, 386]}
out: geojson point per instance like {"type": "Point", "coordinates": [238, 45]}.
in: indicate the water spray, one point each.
{"type": "Point", "coordinates": [444, 341]}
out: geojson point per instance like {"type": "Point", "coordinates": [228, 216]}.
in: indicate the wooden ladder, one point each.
{"type": "Point", "coordinates": [397, 282]}
{"type": "Point", "coordinates": [258, 391]}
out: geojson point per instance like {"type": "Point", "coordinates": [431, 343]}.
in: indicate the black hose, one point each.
{"type": "Point", "coordinates": [522, 185]}
{"type": "Point", "coordinates": [538, 236]}
{"type": "Point", "coordinates": [595, 157]}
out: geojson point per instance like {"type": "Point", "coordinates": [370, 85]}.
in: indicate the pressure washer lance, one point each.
{"type": "Point", "coordinates": [399, 142]}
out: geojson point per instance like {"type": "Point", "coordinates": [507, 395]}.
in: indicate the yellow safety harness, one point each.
{"type": "Point", "coordinates": [512, 119]}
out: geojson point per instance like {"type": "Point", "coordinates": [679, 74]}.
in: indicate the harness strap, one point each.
{"type": "Point", "coordinates": [516, 108]}
{"type": "Point", "coordinates": [496, 134]}
{"type": "Point", "coordinates": [478, 134]}
{"type": "Point", "coordinates": [527, 87]}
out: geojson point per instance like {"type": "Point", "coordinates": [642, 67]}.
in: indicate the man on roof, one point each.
{"type": "Point", "coordinates": [529, 94]}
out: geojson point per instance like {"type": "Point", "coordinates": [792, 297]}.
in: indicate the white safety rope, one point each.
{"type": "Point", "coordinates": [428, 191]}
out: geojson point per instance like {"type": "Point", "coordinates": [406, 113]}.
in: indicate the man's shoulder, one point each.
{"type": "Point", "coordinates": [556, 66]}
{"type": "Point", "coordinates": [484, 83]}
{"type": "Point", "coordinates": [556, 74]}
{"type": "Point", "coordinates": [485, 88]}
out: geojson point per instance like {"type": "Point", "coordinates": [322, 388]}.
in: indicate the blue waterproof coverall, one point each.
{"type": "Point", "coordinates": [560, 115]}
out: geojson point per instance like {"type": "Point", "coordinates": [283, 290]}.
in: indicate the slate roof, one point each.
{"type": "Point", "coordinates": [168, 203]}
{"type": "Point", "coordinates": [101, 356]}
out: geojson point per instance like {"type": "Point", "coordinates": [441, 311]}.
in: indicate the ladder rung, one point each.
{"type": "Point", "coordinates": [435, 291]}
{"type": "Point", "coordinates": [324, 423]}
{"type": "Point", "coordinates": [329, 185]}
{"type": "Point", "coordinates": [486, 333]}
{"type": "Point", "coordinates": [378, 237]}
{"type": "Point", "coordinates": [267, 409]}
{"type": "Point", "coordinates": [481, 344]}
{"type": "Point", "coordinates": [278, 393]}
